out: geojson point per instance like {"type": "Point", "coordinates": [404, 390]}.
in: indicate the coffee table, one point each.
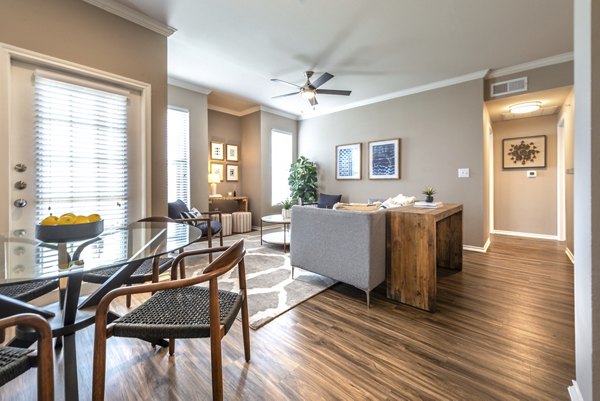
{"type": "Point", "coordinates": [279, 237]}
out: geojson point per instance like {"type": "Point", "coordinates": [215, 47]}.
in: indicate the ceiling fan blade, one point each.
{"type": "Point", "coordinates": [284, 82]}
{"type": "Point", "coordinates": [322, 79]}
{"type": "Point", "coordinates": [313, 101]}
{"type": "Point", "coordinates": [284, 95]}
{"type": "Point", "coordinates": [333, 92]}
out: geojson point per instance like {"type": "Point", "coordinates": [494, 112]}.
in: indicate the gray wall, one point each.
{"type": "Point", "coordinates": [251, 163]}
{"type": "Point", "coordinates": [538, 79]}
{"type": "Point", "coordinates": [587, 201]}
{"type": "Point", "coordinates": [227, 129]}
{"type": "Point", "coordinates": [196, 104]}
{"type": "Point", "coordinates": [440, 131]}
{"type": "Point", "coordinates": [522, 204]}
{"type": "Point", "coordinates": [81, 33]}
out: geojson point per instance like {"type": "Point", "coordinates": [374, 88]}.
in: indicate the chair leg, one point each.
{"type": "Point", "coordinates": [217, 368]}
{"type": "Point", "coordinates": [246, 328]}
{"type": "Point", "coordinates": [128, 299]}
{"type": "Point", "coordinates": [171, 346]}
{"type": "Point", "coordinates": [292, 272]}
{"type": "Point", "coordinates": [99, 368]}
{"type": "Point", "coordinates": [368, 298]}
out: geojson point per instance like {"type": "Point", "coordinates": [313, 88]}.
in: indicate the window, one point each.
{"type": "Point", "coordinates": [281, 159]}
{"type": "Point", "coordinates": [178, 128]}
{"type": "Point", "coordinates": [80, 151]}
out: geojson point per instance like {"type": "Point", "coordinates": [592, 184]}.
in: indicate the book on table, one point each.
{"type": "Point", "coordinates": [428, 205]}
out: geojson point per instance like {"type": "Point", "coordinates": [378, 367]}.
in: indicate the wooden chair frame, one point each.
{"type": "Point", "coordinates": [209, 235]}
{"type": "Point", "coordinates": [44, 359]}
{"type": "Point", "coordinates": [232, 256]}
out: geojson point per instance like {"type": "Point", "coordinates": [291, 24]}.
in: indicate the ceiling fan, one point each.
{"type": "Point", "coordinates": [310, 90]}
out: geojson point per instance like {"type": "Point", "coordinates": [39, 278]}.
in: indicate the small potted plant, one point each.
{"type": "Point", "coordinates": [429, 192]}
{"type": "Point", "coordinates": [286, 206]}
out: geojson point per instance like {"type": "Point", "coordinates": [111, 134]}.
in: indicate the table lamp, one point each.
{"type": "Point", "coordinates": [213, 179]}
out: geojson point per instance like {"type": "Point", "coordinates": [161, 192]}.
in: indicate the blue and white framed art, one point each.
{"type": "Point", "coordinates": [348, 161]}
{"type": "Point", "coordinates": [384, 159]}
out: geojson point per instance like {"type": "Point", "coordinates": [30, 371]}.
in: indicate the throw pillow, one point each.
{"type": "Point", "coordinates": [327, 201]}
{"type": "Point", "coordinates": [192, 214]}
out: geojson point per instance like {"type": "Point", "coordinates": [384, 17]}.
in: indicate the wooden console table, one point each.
{"type": "Point", "coordinates": [418, 241]}
{"type": "Point", "coordinates": [242, 201]}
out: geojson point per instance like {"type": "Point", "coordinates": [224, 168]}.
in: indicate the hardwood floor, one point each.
{"type": "Point", "coordinates": [503, 331]}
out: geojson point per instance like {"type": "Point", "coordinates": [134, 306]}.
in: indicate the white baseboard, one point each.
{"type": "Point", "coordinates": [570, 255]}
{"type": "Point", "coordinates": [480, 249]}
{"type": "Point", "coordinates": [574, 392]}
{"type": "Point", "coordinates": [526, 235]}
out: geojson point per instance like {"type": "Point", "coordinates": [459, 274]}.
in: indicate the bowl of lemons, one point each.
{"type": "Point", "coordinates": [69, 227]}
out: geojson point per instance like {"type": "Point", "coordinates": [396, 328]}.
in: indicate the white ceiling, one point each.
{"type": "Point", "coordinates": [373, 48]}
{"type": "Point", "coordinates": [551, 101]}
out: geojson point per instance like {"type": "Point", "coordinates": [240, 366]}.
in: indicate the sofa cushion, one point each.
{"type": "Point", "coordinates": [176, 208]}
{"type": "Point", "coordinates": [327, 201]}
{"type": "Point", "coordinates": [215, 226]}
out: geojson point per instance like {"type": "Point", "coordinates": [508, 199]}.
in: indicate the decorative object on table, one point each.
{"type": "Point", "coordinates": [213, 180]}
{"type": "Point", "coordinates": [216, 150]}
{"type": "Point", "coordinates": [348, 161]}
{"type": "Point", "coordinates": [384, 159]}
{"type": "Point", "coordinates": [303, 180]}
{"type": "Point", "coordinates": [524, 153]}
{"type": "Point", "coordinates": [429, 192]}
{"type": "Point", "coordinates": [232, 153]}
{"type": "Point", "coordinates": [232, 173]}
{"type": "Point", "coordinates": [69, 227]}
{"type": "Point", "coordinates": [397, 201]}
{"type": "Point", "coordinates": [428, 205]}
{"type": "Point", "coordinates": [286, 208]}
{"type": "Point", "coordinates": [217, 168]}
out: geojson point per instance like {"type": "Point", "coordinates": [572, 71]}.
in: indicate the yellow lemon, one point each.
{"type": "Point", "coordinates": [68, 214]}
{"type": "Point", "coordinates": [92, 218]}
{"type": "Point", "coordinates": [81, 220]}
{"type": "Point", "coordinates": [66, 219]}
{"type": "Point", "coordinates": [49, 221]}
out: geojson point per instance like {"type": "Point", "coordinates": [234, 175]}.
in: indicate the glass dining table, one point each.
{"type": "Point", "coordinates": [24, 259]}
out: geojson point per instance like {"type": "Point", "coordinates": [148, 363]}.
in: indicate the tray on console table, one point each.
{"type": "Point", "coordinates": [418, 241]}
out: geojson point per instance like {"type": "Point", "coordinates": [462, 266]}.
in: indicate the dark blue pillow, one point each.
{"type": "Point", "coordinates": [215, 226]}
{"type": "Point", "coordinates": [175, 209]}
{"type": "Point", "coordinates": [327, 201]}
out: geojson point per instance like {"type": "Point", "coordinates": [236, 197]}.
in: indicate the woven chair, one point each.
{"type": "Point", "coordinates": [179, 309]}
{"type": "Point", "coordinates": [28, 290]}
{"type": "Point", "coordinates": [149, 270]}
{"type": "Point", "coordinates": [16, 361]}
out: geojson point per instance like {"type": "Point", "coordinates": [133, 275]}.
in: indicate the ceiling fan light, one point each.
{"type": "Point", "coordinates": [308, 94]}
{"type": "Point", "coordinates": [522, 108]}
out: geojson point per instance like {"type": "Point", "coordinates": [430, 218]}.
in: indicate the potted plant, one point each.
{"type": "Point", "coordinates": [429, 192]}
{"type": "Point", "coordinates": [303, 180]}
{"type": "Point", "coordinates": [286, 206]}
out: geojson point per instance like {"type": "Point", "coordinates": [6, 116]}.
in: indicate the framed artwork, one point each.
{"type": "Point", "coordinates": [216, 150]}
{"type": "Point", "coordinates": [384, 159]}
{"type": "Point", "coordinates": [524, 153]}
{"type": "Point", "coordinates": [232, 153]}
{"type": "Point", "coordinates": [217, 168]}
{"type": "Point", "coordinates": [232, 172]}
{"type": "Point", "coordinates": [348, 161]}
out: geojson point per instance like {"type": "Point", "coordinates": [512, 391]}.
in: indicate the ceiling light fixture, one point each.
{"type": "Point", "coordinates": [308, 94]}
{"type": "Point", "coordinates": [522, 108]}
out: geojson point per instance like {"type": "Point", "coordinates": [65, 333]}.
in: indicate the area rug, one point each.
{"type": "Point", "coordinates": [271, 289]}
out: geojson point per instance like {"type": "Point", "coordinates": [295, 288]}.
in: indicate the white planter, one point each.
{"type": "Point", "coordinates": [286, 213]}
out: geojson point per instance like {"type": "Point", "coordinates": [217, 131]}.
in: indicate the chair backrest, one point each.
{"type": "Point", "coordinates": [157, 219]}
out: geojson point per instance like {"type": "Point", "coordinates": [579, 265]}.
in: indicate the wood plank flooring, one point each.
{"type": "Point", "coordinates": [503, 331]}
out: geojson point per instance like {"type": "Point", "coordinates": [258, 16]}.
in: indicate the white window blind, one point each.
{"type": "Point", "coordinates": [178, 155]}
{"type": "Point", "coordinates": [80, 151]}
{"type": "Point", "coordinates": [281, 159]}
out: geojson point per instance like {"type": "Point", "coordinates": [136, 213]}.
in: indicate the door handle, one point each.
{"type": "Point", "coordinates": [20, 203]}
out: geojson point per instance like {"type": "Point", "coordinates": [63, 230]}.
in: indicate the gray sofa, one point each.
{"type": "Point", "coordinates": [346, 246]}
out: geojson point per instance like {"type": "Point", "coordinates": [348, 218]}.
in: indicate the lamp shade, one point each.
{"type": "Point", "coordinates": [214, 178]}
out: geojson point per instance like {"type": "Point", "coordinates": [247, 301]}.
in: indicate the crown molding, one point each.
{"type": "Point", "coordinates": [188, 85]}
{"type": "Point", "coordinates": [251, 110]}
{"type": "Point", "coordinates": [134, 16]}
{"type": "Point", "coordinates": [543, 62]}
{"type": "Point", "coordinates": [402, 93]}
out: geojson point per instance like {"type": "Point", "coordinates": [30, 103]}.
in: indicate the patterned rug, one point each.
{"type": "Point", "coordinates": [271, 290]}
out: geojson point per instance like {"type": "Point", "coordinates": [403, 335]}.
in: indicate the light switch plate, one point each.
{"type": "Point", "coordinates": [463, 173]}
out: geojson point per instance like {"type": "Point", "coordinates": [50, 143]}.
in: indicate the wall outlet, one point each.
{"type": "Point", "coordinates": [532, 174]}
{"type": "Point", "coordinates": [463, 173]}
